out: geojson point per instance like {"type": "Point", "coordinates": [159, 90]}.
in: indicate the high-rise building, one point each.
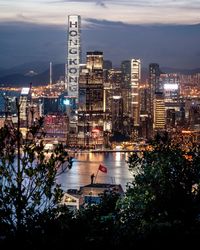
{"type": "Point", "coordinates": [28, 110]}
{"type": "Point", "coordinates": [156, 99]}
{"type": "Point", "coordinates": [126, 73]}
{"type": "Point", "coordinates": [145, 120]}
{"type": "Point", "coordinates": [115, 79]}
{"type": "Point", "coordinates": [91, 105]}
{"type": "Point", "coordinates": [194, 116]}
{"type": "Point", "coordinates": [24, 100]}
{"type": "Point", "coordinates": [94, 60]}
{"type": "Point", "coordinates": [8, 102]}
{"type": "Point", "coordinates": [171, 89]}
{"type": "Point", "coordinates": [159, 112]}
{"type": "Point", "coordinates": [73, 56]}
{"type": "Point", "coordinates": [72, 74]}
{"type": "Point", "coordinates": [50, 104]}
{"type": "Point", "coordinates": [117, 114]}
{"type": "Point", "coordinates": [135, 81]}
{"type": "Point", "coordinates": [94, 81]}
{"type": "Point", "coordinates": [170, 118]}
{"type": "Point", "coordinates": [154, 85]}
{"type": "Point", "coordinates": [56, 128]}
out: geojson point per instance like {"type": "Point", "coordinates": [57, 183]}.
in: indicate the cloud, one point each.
{"type": "Point", "coordinates": [97, 2]}
{"type": "Point", "coordinates": [103, 23]}
{"type": "Point", "coordinates": [101, 4]}
{"type": "Point", "coordinates": [158, 3]}
{"type": "Point", "coordinates": [99, 24]}
{"type": "Point", "coordinates": [139, 2]}
{"type": "Point", "coordinates": [21, 16]}
{"type": "Point", "coordinates": [127, 11]}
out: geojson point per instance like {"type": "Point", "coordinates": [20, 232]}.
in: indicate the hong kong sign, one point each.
{"type": "Point", "coordinates": [73, 60]}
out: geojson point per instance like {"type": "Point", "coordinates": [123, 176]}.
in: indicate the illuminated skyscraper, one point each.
{"type": "Point", "coordinates": [154, 75]}
{"type": "Point", "coordinates": [91, 108]}
{"type": "Point", "coordinates": [73, 56]}
{"type": "Point", "coordinates": [159, 112]}
{"type": "Point", "coordinates": [94, 60]}
{"type": "Point", "coordinates": [94, 81]}
{"type": "Point", "coordinates": [24, 103]}
{"type": "Point", "coordinates": [156, 104]}
{"type": "Point", "coordinates": [173, 104]}
{"type": "Point", "coordinates": [135, 80]}
{"type": "Point", "coordinates": [72, 74]}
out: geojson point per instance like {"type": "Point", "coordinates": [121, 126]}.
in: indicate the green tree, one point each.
{"type": "Point", "coordinates": [28, 172]}
{"type": "Point", "coordinates": [163, 201]}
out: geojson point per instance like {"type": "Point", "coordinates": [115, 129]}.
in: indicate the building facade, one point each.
{"type": "Point", "coordinates": [91, 104]}
{"type": "Point", "coordinates": [135, 81]}
{"type": "Point", "coordinates": [154, 86]}
{"type": "Point", "coordinates": [73, 56]}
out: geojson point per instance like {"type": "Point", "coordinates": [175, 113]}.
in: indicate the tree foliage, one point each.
{"type": "Point", "coordinates": [160, 206]}
{"type": "Point", "coordinates": [164, 198]}
{"type": "Point", "coordinates": [28, 174]}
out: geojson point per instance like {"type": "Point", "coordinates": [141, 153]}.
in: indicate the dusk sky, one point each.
{"type": "Point", "coordinates": [166, 32]}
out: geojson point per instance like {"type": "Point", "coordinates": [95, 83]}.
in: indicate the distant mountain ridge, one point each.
{"type": "Point", "coordinates": [22, 79]}
{"type": "Point", "coordinates": [38, 67]}
{"type": "Point", "coordinates": [18, 77]}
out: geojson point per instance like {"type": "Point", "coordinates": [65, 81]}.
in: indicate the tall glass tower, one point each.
{"type": "Point", "coordinates": [154, 76]}
{"type": "Point", "coordinates": [135, 80]}
{"type": "Point", "coordinates": [73, 56]}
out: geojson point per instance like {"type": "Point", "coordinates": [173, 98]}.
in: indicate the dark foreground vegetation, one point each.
{"type": "Point", "coordinates": [161, 208]}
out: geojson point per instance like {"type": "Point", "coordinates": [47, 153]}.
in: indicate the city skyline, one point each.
{"type": "Point", "coordinates": [164, 32]}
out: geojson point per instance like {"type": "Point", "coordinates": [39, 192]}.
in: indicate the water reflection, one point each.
{"type": "Point", "coordinates": [85, 164]}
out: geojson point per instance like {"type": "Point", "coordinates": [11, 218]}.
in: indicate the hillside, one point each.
{"type": "Point", "coordinates": [24, 79]}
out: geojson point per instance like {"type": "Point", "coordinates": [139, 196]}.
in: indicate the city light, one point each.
{"type": "Point", "coordinates": [25, 91]}
{"type": "Point", "coordinates": [171, 86]}
{"type": "Point", "coordinates": [66, 102]}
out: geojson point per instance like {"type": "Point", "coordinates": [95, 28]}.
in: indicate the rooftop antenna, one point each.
{"type": "Point", "coordinates": [50, 75]}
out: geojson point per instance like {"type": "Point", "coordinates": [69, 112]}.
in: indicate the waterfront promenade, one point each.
{"type": "Point", "coordinates": [74, 151]}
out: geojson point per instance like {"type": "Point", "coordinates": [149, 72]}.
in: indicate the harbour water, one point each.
{"type": "Point", "coordinates": [85, 164]}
